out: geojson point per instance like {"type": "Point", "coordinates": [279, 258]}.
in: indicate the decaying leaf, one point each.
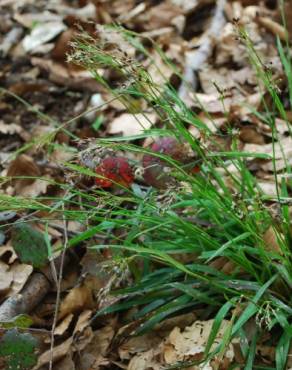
{"type": "Point", "coordinates": [93, 356]}
{"type": "Point", "coordinates": [18, 349]}
{"type": "Point", "coordinates": [42, 33]}
{"type": "Point", "coordinates": [83, 321]}
{"type": "Point", "coordinates": [24, 166]}
{"type": "Point", "coordinates": [183, 345]}
{"type": "Point", "coordinates": [6, 278]}
{"type": "Point", "coordinates": [81, 297]}
{"type": "Point", "coordinates": [30, 245]}
{"type": "Point", "coordinates": [63, 325]}
{"type": "Point", "coordinates": [128, 124]}
{"type": "Point", "coordinates": [272, 242]}
{"type": "Point", "coordinates": [20, 321]}
{"type": "Point", "coordinates": [9, 129]}
{"type": "Point", "coordinates": [59, 352]}
{"type": "Point", "coordinates": [21, 273]}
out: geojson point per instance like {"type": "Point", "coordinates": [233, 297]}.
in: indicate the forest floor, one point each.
{"type": "Point", "coordinates": [52, 109]}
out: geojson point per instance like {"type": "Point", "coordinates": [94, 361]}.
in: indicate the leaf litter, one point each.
{"type": "Point", "coordinates": [34, 67]}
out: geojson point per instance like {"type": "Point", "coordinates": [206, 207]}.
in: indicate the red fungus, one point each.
{"type": "Point", "coordinates": [114, 170]}
{"type": "Point", "coordinates": [155, 169]}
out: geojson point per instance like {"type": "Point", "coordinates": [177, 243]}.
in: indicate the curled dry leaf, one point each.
{"type": "Point", "coordinates": [10, 128]}
{"type": "Point", "coordinates": [23, 165]}
{"type": "Point", "coordinates": [64, 325]}
{"type": "Point", "coordinates": [272, 240]}
{"type": "Point", "coordinates": [41, 34]}
{"type": "Point", "coordinates": [83, 321]}
{"type": "Point", "coordinates": [59, 74]}
{"type": "Point", "coordinates": [81, 297]}
{"type": "Point", "coordinates": [21, 273]}
{"type": "Point", "coordinates": [188, 344]}
{"type": "Point", "coordinates": [77, 299]}
{"type": "Point", "coordinates": [94, 354]}
{"type": "Point", "coordinates": [37, 188]}
{"type": "Point", "coordinates": [160, 16]}
{"type": "Point", "coordinates": [129, 125]}
{"type": "Point", "coordinates": [6, 278]}
{"type": "Point", "coordinates": [13, 277]}
{"type": "Point", "coordinates": [59, 352]}
{"type": "Point", "coordinates": [8, 253]}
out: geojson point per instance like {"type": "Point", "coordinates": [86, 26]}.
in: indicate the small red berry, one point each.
{"type": "Point", "coordinates": [114, 170]}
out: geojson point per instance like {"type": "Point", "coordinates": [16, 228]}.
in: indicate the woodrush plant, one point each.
{"type": "Point", "coordinates": [202, 220]}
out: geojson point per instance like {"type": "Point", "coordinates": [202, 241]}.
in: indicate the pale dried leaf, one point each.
{"type": "Point", "coordinates": [8, 249]}
{"type": "Point", "coordinates": [28, 19]}
{"type": "Point", "coordinates": [76, 300]}
{"type": "Point", "coordinates": [183, 345]}
{"type": "Point", "coordinates": [160, 16]}
{"type": "Point", "coordinates": [285, 146]}
{"type": "Point", "coordinates": [64, 325]}
{"type": "Point", "coordinates": [59, 74]}
{"type": "Point", "coordinates": [158, 70]}
{"type": "Point", "coordinates": [193, 339]}
{"type": "Point", "coordinates": [209, 102]}
{"type": "Point", "coordinates": [139, 344]}
{"type": "Point", "coordinates": [83, 321]}
{"type": "Point", "coordinates": [66, 363]}
{"type": "Point", "coordinates": [10, 128]}
{"type": "Point", "coordinates": [268, 188]}
{"type": "Point", "coordinates": [145, 361]}
{"type": "Point", "coordinates": [59, 351]}
{"type": "Point", "coordinates": [189, 5]}
{"type": "Point", "coordinates": [93, 355]}
{"type": "Point", "coordinates": [38, 187]}
{"type": "Point", "coordinates": [82, 297]}
{"type": "Point", "coordinates": [21, 272]}
{"type": "Point", "coordinates": [41, 34]}
{"type": "Point", "coordinates": [271, 239]}
{"type": "Point", "coordinates": [6, 278]}
{"type": "Point", "coordinates": [128, 124]}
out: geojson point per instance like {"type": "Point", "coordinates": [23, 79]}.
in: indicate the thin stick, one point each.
{"type": "Point", "coordinates": [58, 284]}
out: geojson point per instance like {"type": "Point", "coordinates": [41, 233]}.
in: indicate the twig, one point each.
{"type": "Point", "coordinates": [58, 285]}
{"type": "Point", "coordinates": [195, 59]}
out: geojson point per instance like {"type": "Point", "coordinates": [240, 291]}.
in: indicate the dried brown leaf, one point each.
{"type": "Point", "coordinates": [94, 354]}
{"type": "Point", "coordinates": [271, 239]}
{"type": "Point", "coordinates": [83, 321]}
{"type": "Point", "coordinates": [21, 272]}
{"type": "Point", "coordinates": [64, 325]}
{"type": "Point", "coordinates": [10, 128]}
{"type": "Point", "coordinates": [6, 278]}
{"type": "Point", "coordinates": [23, 165]}
{"type": "Point", "coordinates": [59, 351]}
{"type": "Point", "coordinates": [76, 300]}
{"type": "Point", "coordinates": [129, 124]}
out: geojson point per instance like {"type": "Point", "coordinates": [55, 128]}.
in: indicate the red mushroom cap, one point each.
{"type": "Point", "coordinates": [154, 167]}
{"type": "Point", "coordinates": [114, 170]}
